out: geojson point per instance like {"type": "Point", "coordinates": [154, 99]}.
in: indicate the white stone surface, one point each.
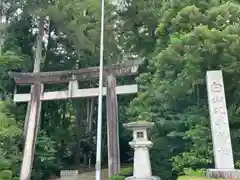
{"type": "Point", "coordinates": [221, 138]}
{"type": "Point", "coordinates": [142, 165]}
{"type": "Point", "coordinates": [223, 173]}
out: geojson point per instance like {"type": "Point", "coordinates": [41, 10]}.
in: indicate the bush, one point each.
{"type": "Point", "coordinates": [117, 177]}
{"type": "Point", "coordinates": [128, 171]}
{"type": "Point", "coordinates": [6, 174]}
{"type": "Point", "coordinates": [15, 178]}
{"type": "Point", "coordinates": [191, 172]}
{"type": "Point", "coordinates": [4, 164]}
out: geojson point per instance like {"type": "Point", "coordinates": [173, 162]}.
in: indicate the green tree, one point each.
{"type": "Point", "coordinates": [9, 135]}
{"type": "Point", "coordinates": [192, 37]}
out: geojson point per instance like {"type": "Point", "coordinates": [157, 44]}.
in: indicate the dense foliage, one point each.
{"type": "Point", "coordinates": [180, 41]}
{"type": "Point", "coordinates": [191, 38]}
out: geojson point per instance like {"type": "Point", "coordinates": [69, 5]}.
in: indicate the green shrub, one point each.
{"type": "Point", "coordinates": [196, 173]}
{"type": "Point", "coordinates": [4, 164]}
{"type": "Point", "coordinates": [126, 171]}
{"type": "Point", "coordinates": [6, 174]}
{"type": "Point", "coordinates": [15, 178]}
{"type": "Point", "coordinates": [117, 177]}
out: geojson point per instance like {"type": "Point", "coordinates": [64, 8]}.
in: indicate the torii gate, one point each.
{"type": "Point", "coordinates": [72, 77]}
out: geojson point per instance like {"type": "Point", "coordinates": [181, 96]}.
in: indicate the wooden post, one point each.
{"type": "Point", "coordinates": [32, 130]}
{"type": "Point", "coordinates": [112, 126]}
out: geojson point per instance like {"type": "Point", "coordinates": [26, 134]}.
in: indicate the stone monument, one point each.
{"type": "Point", "coordinates": [140, 143]}
{"type": "Point", "coordinates": [222, 146]}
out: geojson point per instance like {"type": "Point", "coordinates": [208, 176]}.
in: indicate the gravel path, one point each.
{"type": "Point", "coordinates": [91, 175]}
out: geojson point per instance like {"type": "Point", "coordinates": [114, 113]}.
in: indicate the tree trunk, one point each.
{"type": "Point", "coordinates": [77, 107]}
{"type": "Point", "coordinates": [37, 63]}
{"type": "Point", "coordinates": [2, 97]}
{"type": "Point", "coordinates": [38, 57]}
{"type": "Point", "coordinates": [87, 131]}
{"type": "Point", "coordinates": [49, 44]}
{"type": "Point", "coordinates": [90, 116]}
{"type": "Point", "coordinates": [2, 23]}
{"type": "Point", "coordinates": [90, 103]}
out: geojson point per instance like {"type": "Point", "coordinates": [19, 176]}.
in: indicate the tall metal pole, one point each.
{"type": "Point", "coordinates": [99, 124]}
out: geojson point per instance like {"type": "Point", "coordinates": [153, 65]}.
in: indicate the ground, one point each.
{"type": "Point", "coordinates": [91, 175]}
{"type": "Point", "coordinates": [194, 178]}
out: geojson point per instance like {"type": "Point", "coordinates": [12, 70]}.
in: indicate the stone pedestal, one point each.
{"type": "Point", "coordinates": [140, 143]}
{"type": "Point", "coordinates": [223, 173]}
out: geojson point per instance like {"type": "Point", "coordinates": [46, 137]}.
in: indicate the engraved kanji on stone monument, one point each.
{"type": "Point", "coordinates": [222, 146]}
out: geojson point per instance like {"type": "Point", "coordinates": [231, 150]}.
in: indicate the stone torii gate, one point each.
{"type": "Point", "coordinates": [72, 77]}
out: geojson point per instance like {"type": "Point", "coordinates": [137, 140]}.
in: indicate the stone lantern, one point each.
{"type": "Point", "coordinates": [140, 143]}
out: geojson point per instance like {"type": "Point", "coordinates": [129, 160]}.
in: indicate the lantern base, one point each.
{"type": "Point", "coordinates": [144, 178]}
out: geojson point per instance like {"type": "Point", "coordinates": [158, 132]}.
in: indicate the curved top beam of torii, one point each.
{"type": "Point", "coordinates": [85, 74]}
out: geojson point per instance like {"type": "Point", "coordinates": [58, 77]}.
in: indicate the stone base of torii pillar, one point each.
{"type": "Point", "coordinates": [140, 143]}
